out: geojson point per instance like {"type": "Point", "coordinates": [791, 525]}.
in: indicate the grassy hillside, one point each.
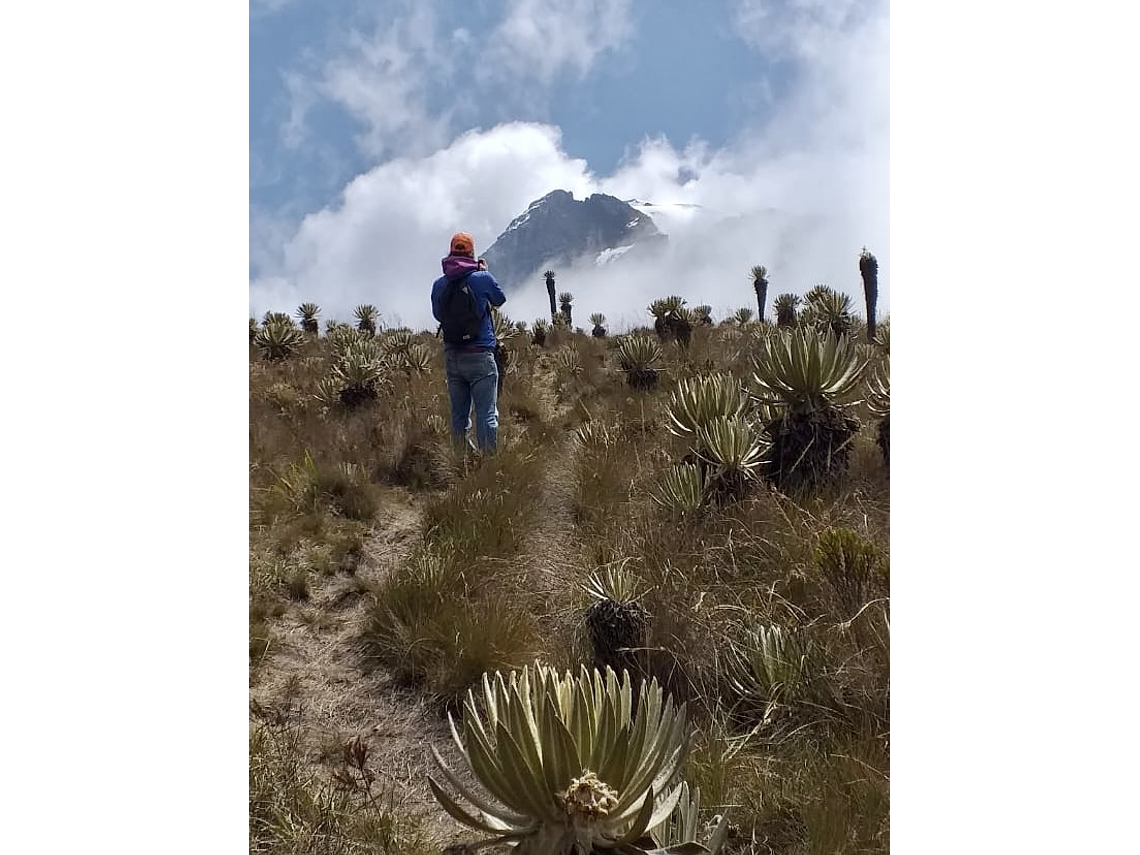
{"type": "Point", "coordinates": [638, 514]}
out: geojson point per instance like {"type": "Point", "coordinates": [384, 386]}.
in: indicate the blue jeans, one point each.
{"type": "Point", "coordinates": [473, 378]}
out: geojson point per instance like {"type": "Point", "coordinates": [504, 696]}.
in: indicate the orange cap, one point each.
{"type": "Point", "coordinates": [462, 244]}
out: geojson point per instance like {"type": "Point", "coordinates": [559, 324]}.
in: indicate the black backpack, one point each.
{"type": "Point", "coordinates": [461, 319]}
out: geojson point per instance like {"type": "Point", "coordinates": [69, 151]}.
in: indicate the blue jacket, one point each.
{"type": "Point", "coordinates": [483, 286]}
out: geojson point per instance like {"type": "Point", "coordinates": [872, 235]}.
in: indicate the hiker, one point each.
{"type": "Point", "coordinates": [460, 301]}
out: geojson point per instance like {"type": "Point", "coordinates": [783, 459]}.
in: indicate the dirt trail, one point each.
{"type": "Point", "coordinates": [316, 677]}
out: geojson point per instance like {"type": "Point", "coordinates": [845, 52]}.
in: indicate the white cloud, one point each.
{"type": "Point", "coordinates": [302, 97]}
{"type": "Point", "coordinates": [385, 75]}
{"type": "Point", "coordinates": [258, 8]}
{"type": "Point", "coordinates": [383, 242]}
{"type": "Point", "coordinates": [380, 77]}
{"type": "Point", "coordinates": [538, 39]}
{"type": "Point", "coordinates": [802, 194]}
{"type": "Point", "coordinates": [798, 28]}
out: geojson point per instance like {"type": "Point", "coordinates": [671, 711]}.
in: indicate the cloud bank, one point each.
{"type": "Point", "coordinates": [801, 194]}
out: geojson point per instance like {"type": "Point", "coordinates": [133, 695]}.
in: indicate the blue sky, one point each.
{"type": "Point", "coordinates": [377, 130]}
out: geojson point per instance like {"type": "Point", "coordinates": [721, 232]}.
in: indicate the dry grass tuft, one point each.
{"type": "Point", "coordinates": [390, 571]}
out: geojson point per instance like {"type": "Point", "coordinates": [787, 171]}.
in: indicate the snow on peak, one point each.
{"type": "Point", "coordinates": [608, 255]}
{"type": "Point", "coordinates": [641, 205]}
{"type": "Point", "coordinates": [669, 215]}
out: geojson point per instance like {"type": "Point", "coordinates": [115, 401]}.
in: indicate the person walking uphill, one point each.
{"type": "Point", "coordinates": [460, 301]}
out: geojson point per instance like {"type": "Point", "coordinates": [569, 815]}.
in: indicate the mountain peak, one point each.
{"type": "Point", "coordinates": [558, 230]}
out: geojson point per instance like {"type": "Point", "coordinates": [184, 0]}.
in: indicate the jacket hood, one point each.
{"type": "Point", "coordinates": [455, 266]}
